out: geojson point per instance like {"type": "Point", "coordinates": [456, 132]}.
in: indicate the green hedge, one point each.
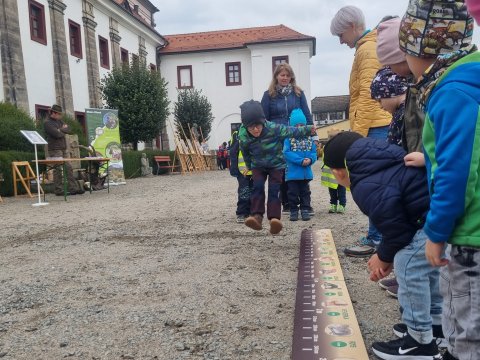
{"type": "Point", "coordinates": [12, 120]}
{"type": "Point", "coordinates": [132, 161]}
{"type": "Point", "coordinates": [6, 158]}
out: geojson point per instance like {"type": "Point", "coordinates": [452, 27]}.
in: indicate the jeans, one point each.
{"type": "Point", "coordinates": [418, 289]}
{"type": "Point", "coordinates": [257, 199]}
{"type": "Point", "coordinates": [461, 311]}
{"type": "Point", "coordinates": [299, 194]}
{"type": "Point", "coordinates": [338, 195]}
{"type": "Point", "coordinates": [245, 185]}
{"type": "Point", "coordinates": [376, 133]}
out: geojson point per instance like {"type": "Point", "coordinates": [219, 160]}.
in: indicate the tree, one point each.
{"type": "Point", "coordinates": [193, 108]}
{"type": "Point", "coordinates": [141, 98]}
{"type": "Point", "coordinates": [12, 120]}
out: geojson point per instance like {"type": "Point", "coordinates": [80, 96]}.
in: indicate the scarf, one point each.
{"type": "Point", "coordinates": [284, 90]}
{"type": "Point", "coordinates": [429, 79]}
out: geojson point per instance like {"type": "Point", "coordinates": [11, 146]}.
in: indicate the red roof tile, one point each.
{"type": "Point", "coordinates": [231, 39]}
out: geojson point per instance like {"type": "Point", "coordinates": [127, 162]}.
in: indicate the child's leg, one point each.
{"type": "Point", "coordinates": [413, 275]}
{"type": "Point", "coordinates": [293, 194]}
{"type": "Point", "coordinates": [274, 209]}
{"type": "Point", "coordinates": [243, 202]}
{"type": "Point", "coordinates": [284, 192]}
{"type": "Point", "coordinates": [464, 269]}
{"type": "Point", "coordinates": [333, 196]}
{"type": "Point", "coordinates": [257, 199]}
{"type": "Point", "coordinates": [304, 195]}
{"type": "Point", "coordinates": [448, 312]}
{"type": "Point", "coordinates": [342, 195]}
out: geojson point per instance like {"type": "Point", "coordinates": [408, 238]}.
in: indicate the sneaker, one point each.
{"type": "Point", "coordinates": [286, 209]}
{"type": "Point", "coordinates": [400, 330]}
{"type": "Point", "coordinates": [293, 215]}
{"type": "Point", "coordinates": [333, 209]}
{"type": "Point", "coordinates": [305, 215]}
{"type": "Point", "coordinates": [311, 212]}
{"type": "Point", "coordinates": [386, 283]}
{"type": "Point", "coordinates": [340, 209]}
{"type": "Point", "coordinates": [406, 348]}
{"type": "Point", "coordinates": [254, 221]}
{"type": "Point", "coordinates": [393, 291]}
{"type": "Point", "coordinates": [275, 226]}
{"type": "Point", "coordinates": [365, 247]}
{"type": "Point", "coordinates": [240, 219]}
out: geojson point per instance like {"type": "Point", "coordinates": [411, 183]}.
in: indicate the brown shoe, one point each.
{"type": "Point", "coordinates": [254, 222]}
{"type": "Point", "coordinates": [275, 226]}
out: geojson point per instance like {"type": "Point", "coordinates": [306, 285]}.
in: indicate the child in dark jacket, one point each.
{"type": "Point", "coordinates": [396, 199]}
{"type": "Point", "coordinates": [261, 143]}
{"type": "Point", "coordinates": [300, 155]}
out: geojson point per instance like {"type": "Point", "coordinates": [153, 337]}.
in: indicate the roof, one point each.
{"type": "Point", "coordinates": [232, 39]}
{"type": "Point", "coordinates": [330, 103]}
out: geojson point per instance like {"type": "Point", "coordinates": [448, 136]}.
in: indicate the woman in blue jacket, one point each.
{"type": "Point", "coordinates": [284, 95]}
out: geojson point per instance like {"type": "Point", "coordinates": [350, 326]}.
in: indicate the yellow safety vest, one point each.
{"type": "Point", "coordinates": [328, 179]}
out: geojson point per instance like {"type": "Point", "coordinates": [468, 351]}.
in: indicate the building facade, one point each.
{"type": "Point", "coordinates": [57, 51]}
{"type": "Point", "coordinates": [328, 110]}
{"type": "Point", "coordinates": [232, 66]}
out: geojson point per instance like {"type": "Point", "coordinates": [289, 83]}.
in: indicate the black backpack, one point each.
{"type": "Point", "coordinates": [234, 150]}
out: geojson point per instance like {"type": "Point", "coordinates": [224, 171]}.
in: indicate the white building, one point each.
{"type": "Point", "coordinates": [56, 51]}
{"type": "Point", "coordinates": [232, 66]}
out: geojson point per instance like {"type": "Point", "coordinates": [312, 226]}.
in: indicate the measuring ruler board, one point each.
{"type": "Point", "coordinates": [325, 325]}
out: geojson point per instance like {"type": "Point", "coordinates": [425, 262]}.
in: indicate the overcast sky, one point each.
{"type": "Point", "coordinates": [330, 67]}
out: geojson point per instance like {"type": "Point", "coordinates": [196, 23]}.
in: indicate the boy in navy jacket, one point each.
{"type": "Point", "coordinates": [396, 199]}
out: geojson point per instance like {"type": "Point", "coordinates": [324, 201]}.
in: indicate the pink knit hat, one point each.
{"type": "Point", "coordinates": [388, 49]}
{"type": "Point", "coordinates": [473, 7]}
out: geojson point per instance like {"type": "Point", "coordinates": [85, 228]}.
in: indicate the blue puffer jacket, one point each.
{"type": "Point", "coordinates": [295, 151]}
{"type": "Point", "coordinates": [394, 196]}
{"type": "Point", "coordinates": [278, 108]}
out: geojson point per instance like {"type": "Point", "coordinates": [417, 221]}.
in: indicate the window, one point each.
{"type": "Point", "coordinates": [41, 112]}
{"type": "Point", "coordinates": [80, 117]}
{"type": "Point", "coordinates": [124, 56]}
{"type": "Point", "coordinates": [75, 39]}
{"type": "Point", "coordinates": [184, 77]}
{"type": "Point", "coordinates": [135, 59]}
{"type": "Point", "coordinates": [233, 74]}
{"type": "Point", "coordinates": [277, 60]}
{"type": "Point", "coordinates": [37, 22]}
{"type": "Point", "coordinates": [103, 49]}
{"type": "Point", "coordinates": [153, 68]}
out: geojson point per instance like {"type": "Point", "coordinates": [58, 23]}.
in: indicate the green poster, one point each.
{"type": "Point", "coordinates": [104, 135]}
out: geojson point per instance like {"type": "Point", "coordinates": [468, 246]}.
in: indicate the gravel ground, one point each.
{"type": "Point", "coordinates": [158, 269]}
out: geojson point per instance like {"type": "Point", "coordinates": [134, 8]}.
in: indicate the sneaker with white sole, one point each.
{"type": "Point", "coordinates": [400, 330]}
{"type": "Point", "coordinates": [393, 291]}
{"type": "Point", "coordinates": [241, 219]}
{"type": "Point", "coordinates": [406, 348]}
{"type": "Point", "coordinates": [332, 209]}
{"type": "Point", "coordinates": [365, 247]}
{"type": "Point", "coordinates": [386, 283]}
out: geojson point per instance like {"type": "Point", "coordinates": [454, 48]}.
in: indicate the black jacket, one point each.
{"type": "Point", "coordinates": [55, 134]}
{"type": "Point", "coordinates": [394, 196]}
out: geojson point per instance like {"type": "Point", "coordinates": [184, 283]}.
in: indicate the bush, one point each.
{"type": "Point", "coordinates": [12, 120]}
{"type": "Point", "coordinates": [6, 158]}
{"type": "Point", "coordinates": [74, 125]}
{"type": "Point", "coordinates": [132, 162]}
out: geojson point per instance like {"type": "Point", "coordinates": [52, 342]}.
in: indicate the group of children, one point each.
{"type": "Point", "coordinates": [418, 201]}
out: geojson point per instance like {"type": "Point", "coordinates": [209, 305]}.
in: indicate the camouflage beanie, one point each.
{"type": "Point", "coordinates": [433, 27]}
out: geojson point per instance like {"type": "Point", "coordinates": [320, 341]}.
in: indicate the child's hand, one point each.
{"type": "Point", "coordinates": [245, 171]}
{"type": "Point", "coordinates": [378, 268]}
{"type": "Point", "coordinates": [416, 159]}
{"type": "Point", "coordinates": [434, 252]}
{"type": "Point", "coordinates": [306, 162]}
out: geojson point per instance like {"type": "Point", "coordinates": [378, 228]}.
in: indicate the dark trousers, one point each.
{"type": "Point", "coordinates": [299, 194]}
{"type": "Point", "coordinates": [338, 195]}
{"type": "Point", "coordinates": [245, 186]}
{"type": "Point", "coordinates": [72, 184]}
{"type": "Point", "coordinates": [257, 203]}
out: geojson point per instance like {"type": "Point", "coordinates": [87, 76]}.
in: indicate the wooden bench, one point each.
{"type": "Point", "coordinates": [164, 162]}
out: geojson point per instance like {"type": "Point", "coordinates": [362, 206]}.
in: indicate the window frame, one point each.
{"type": "Point", "coordinates": [179, 69]}
{"type": "Point", "coordinates": [41, 109]}
{"type": "Point", "coordinates": [40, 38]}
{"type": "Point", "coordinates": [78, 39]}
{"type": "Point", "coordinates": [282, 59]}
{"type": "Point", "coordinates": [228, 72]}
{"type": "Point", "coordinates": [103, 50]}
{"type": "Point", "coordinates": [124, 56]}
{"type": "Point", "coordinates": [82, 120]}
